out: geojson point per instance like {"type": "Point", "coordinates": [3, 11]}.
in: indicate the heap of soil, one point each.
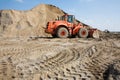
{"type": "Point", "coordinates": [14, 23]}
{"type": "Point", "coordinates": [29, 23]}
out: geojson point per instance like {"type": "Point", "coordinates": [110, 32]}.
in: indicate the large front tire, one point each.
{"type": "Point", "coordinates": [83, 33]}
{"type": "Point", "coordinates": [62, 32]}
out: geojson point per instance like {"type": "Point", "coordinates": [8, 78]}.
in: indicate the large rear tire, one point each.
{"type": "Point", "coordinates": [62, 32]}
{"type": "Point", "coordinates": [83, 33]}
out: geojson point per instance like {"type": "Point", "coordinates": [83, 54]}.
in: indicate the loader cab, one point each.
{"type": "Point", "coordinates": [68, 18]}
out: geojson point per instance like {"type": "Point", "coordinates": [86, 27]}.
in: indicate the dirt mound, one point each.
{"type": "Point", "coordinates": [30, 23]}
{"type": "Point", "coordinates": [15, 23]}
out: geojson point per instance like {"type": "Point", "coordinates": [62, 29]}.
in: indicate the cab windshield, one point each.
{"type": "Point", "coordinates": [69, 18]}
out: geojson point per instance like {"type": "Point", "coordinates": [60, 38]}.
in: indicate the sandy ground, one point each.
{"type": "Point", "coordinates": [59, 59]}
{"type": "Point", "coordinates": [53, 58]}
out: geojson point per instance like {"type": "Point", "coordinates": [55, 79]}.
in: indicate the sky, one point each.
{"type": "Point", "coordinates": [101, 14]}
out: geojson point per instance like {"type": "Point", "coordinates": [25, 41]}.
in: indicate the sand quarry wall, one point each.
{"type": "Point", "coordinates": [29, 23]}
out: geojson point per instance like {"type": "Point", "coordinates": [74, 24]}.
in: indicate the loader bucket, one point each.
{"type": "Point", "coordinates": [94, 33]}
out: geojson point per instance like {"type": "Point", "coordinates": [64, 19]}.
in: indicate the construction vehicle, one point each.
{"type": "Point", "coordinates": [67, 26]}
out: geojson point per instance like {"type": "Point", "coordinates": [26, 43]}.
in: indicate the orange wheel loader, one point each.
{"type": "Point", "coordinates": [67, 26]}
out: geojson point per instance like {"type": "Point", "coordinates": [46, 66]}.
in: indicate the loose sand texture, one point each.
{"type": "Point", "coordinates": [59, 59]}
{"type": "Point", "coordinates": [47, 58]}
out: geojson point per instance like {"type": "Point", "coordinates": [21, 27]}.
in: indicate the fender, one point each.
{"type": "Point", "coordinates": [60, 23]}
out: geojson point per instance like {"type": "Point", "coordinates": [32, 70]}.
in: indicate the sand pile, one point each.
{"type": "Point", "coordinates": [15, 23]}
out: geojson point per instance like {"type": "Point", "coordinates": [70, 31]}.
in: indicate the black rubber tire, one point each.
{"type": "Point", "coordinates": [62, 32]}
{"type": "Point", "coordinates": [83, 33]}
